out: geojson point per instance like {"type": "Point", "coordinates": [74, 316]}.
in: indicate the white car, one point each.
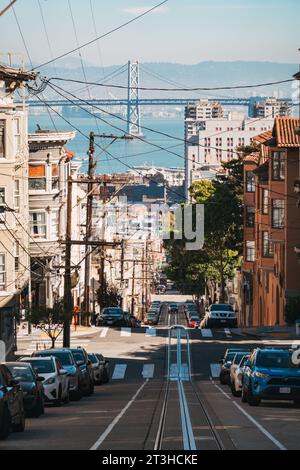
{"type": "Point", "coordinates": [56, 382]}
{"type": "Point", "coordinates": [236, 373]}
{"type": "Point", "coordinates": [219, 316]}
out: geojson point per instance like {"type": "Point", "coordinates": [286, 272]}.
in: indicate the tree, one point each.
{"type": "Point", "coordinates": [49, 320]}
{"type": "Point", "coordinates": [108, 296]}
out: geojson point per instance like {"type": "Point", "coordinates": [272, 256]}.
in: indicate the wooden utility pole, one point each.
{"type": "Point", "coordinates": [88, 229]}
{"type": "Point", "coordinates": [68, 301]}
{"type": "Point", "coordinates": [133, 289]}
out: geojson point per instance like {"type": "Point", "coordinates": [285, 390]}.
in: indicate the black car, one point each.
{"type": "Point", "coordinates": [226, 362]}
{"type": "Point", "coordinates": [12, 412]}
{"type": "Point", "coordinates": [111, 316]}
{"type": "Point", "coordinates": [31, 384]}
{"type": "Point", "coordinates": [100, 368]}
{"type": "Point", "coordinates": [173, 308]}
{"type": "Point", "coordinates": [68, 362]}
{"type": "Point", "coordinates": [86, 370]}
{"type": "Point", "coordinates": [135, 323]}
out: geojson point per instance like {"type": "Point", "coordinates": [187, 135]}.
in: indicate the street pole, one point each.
{"type": "Point", "coordinates": [88, 232]}
{"type": "Point", "coordinates": [133, 289]}
{"type": "Point", "coordinates": [68, 301]}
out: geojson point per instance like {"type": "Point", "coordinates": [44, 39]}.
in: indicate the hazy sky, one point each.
{"type": "Point", "coordinates": [184, 31]}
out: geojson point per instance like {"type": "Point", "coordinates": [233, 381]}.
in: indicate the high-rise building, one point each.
{"type": "Point", "coordinates": [269, 108]}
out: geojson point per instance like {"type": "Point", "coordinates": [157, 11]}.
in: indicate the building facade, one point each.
{"type": "Point", "coordinates": [14, 223]}
{"type": "Point", "coordinates": [269, 108]}
{"type": "Point", "coordinates": [271, 271]}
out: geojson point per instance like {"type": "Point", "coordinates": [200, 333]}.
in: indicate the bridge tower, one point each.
{"type": "Point", "coordinates": [133, 108]}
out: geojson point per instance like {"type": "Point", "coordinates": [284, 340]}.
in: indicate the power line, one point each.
{"type": "Point", "coordinates": [123, 87]}
{"type": "Point", "coordinates": [123, 25]}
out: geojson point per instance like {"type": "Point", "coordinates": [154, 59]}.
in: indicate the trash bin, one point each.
{"type": "Point", "coordinates": [298, 327]}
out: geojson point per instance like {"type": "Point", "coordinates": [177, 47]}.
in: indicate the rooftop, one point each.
{"type": "Point", "coordinates": [284, 132]}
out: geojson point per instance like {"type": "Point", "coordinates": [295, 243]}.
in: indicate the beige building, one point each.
{"type": "Point", "coordinates": [14, 224]}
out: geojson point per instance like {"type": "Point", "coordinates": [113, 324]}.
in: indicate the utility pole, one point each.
{"type": "Point", "coordinates": [133, 289]}
{"type": "Point", "coordinates": [102, 277]}
{"type": "Point", "coordinates": [88, 230]}
{"type": "Point", "coordinates": [68, 301]}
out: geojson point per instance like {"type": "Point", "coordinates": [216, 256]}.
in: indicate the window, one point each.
{"type": "Point", "coordinates": [54, 229]}
{"type": "Point", "coordinates": [277, 213]}
{"type": "Point", "coordinates": [17, 195]}
{"type": "Point", "coordinates": [250, 182]}
{"type": "Point", "coordinates": [2, 138]}
{"type": "Point", "coordinates": [55, 176]}
{"type": "Point", "coordinates": [250, 250]}
{"type": "Point", "coordinates": [37, 177]}
{"type": "Point", "coordinates": [2, 205]}
{"type": "Point", "coordinates": [250, 216]}
{"type": "Point", "coordinates": [17, 256]}
{"type": "Point", "coordinates": [278, 166]}
{"type": "Point", "coordinates": [2, 272]}
{"type": "Point", "coordinates": [266, 245]}
{"type": "Point", "coordinates": [265, 201]}
{"type": "Point", "coordinates": [38, 224]}
{"type": "Point", "coordinates": [17, 134]}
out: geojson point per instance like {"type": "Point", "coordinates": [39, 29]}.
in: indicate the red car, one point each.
{"type": "Point", "coordinates": [194, 322]}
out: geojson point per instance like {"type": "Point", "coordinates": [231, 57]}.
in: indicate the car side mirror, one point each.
{"type": "Point", "coordinates": [40, 379]}
{"type": "Point", "coordinates": [13, 383]}
{"type": "Point", "coordinates": [79, 363]}
{"type": "Point", "coordinates": [89, 362]}
{"type": "Point", "coordinates": [63, 372]}
{"type": "Point", "coordinates": [221, 361]}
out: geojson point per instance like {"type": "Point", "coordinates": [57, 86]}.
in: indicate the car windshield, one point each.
{"type": "Point", "coordinates": [195, 318]}
{"type": "Point", "coordinates": [42, 366]}
{"type": "Point", "coordinates": [275, 360]}
{"type": "Point", "coordinates": [64, 356]}
{"type": "Point", "coordinates": [79, 356]}
{"type": "Point", "coordinates": [244, 359]}
{"type": "Point", "coordinates": [93, 358]}
{"type": "Point", "coordinates": [21, 373]}
{"type": "Point", "coordinates": [112, 311]}
{"type": "Point", "coordinates": [230, 356]}
{"type": "Point", "coordinates": [238, 357]}
{"type": "Point", "coordinates": [221, 307]}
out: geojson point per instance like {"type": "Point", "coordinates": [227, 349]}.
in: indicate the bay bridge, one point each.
{"type": "Point", "coordinates": [133, 101]}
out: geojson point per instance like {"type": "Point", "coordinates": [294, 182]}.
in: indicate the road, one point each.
{"type": "Point", "coordinates": [139, 409]}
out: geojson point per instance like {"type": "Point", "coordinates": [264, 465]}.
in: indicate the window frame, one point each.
{"type": "Point", "coordinates": [3, 272]}
{"type": "Point", "coordinates": [264, 206]}
{"type": "Point", "coordinates": [278, 173]}
{"type": "Point", "coordinates": [38, 225]}
{"type": "Point", "coordinates": [252, 249]}
{"type": "Point", "coordinates": [248, 184]}
{"type": "Point", "coordinates": [279, 225]}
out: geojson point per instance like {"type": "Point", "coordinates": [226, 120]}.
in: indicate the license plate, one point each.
{"type": "Point", "coordinates": [285, 390]}
{"type": "Point", "coordinates": [223, 321]}
{"type": "Point", "coordinates": [109, 322]}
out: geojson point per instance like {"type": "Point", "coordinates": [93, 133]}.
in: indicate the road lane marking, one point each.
{"type": "Point", "coordinates": [206, 333]}
{"type": "Point", "coordinates": [256, 423]}
{"type": "Point", "coordinates": [227, 332]}
{"type": "Point", "coordinates": [119, 371]}
{"type": "Point", "coordinates": [125, 331]}
{"type": "Point", "coordinates": [151, 332]}
{"type": "Point", "coordinates": [215, 370]}
{"type": "Point", "coordinates": [103, 332]}
{"type": "Point", "coordinates": [117, 418]}
{"type": "Point", "coordinates": [148, 371]}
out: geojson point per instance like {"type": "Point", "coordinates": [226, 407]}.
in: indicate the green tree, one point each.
{"type": "Point", "coordinates": [108, 296]}
{"type": "Point", "coordinates": [49, 320]}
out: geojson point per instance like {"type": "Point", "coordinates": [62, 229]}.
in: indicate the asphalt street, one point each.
{"type": "Point", "coordinates": [140, 409]}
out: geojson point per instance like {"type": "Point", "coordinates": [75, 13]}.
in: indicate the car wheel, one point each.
{"type": "Point", "coordinates": [252, 400]}
{"type": "Point", "coordinates": [244, 395]}
{"type": "Point", "coordinates": [5, 424]}
{"type": "Point", "coordinates": [20, 427]}
{"type": "Point", "coordinates": [234, 392]}
{"type": "Point", "coordinates": [297, 402]}
{"type": "Point", "coordinates": [105, 377]}
{"type": "Point", "coordinates": [38, 409]}
{"type": "Point", "coordinates": [67, 397]}
{"type": "Point", "coordinates": [76, 395]}
{"type": "Point", "coordinates": [92, 388]}
{"type": "Point", "coordinates": [223, 381]}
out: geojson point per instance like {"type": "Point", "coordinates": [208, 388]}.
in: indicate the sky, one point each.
{"type": "Point", "coordinates": [181, 31]}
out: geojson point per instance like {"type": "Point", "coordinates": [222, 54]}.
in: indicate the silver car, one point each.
{"type": "Point", "coordinates": [100, 368]}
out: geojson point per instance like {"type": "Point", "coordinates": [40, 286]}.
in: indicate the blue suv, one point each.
{"type": "Point", "coordinates": [271, 374]}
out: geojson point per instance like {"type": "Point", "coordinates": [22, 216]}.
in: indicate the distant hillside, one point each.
{"type": "Point", "coordinates": [163, 74]}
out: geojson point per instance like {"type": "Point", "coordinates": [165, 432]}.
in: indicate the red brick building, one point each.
{"type": "Point", "coordinates": [271, 271]}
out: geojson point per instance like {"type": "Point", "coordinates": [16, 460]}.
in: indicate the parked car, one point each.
{"type": "Point", "coordinates": [194, 321]}
{"type": "Point", "coordinates": [135, 323]}
{"type": "Point", "coordinates": [226, 364]}
{"type": "Point", "coordinates": [55, 381]}
{"type": "Point", "coordinates": [152, 318]}
{"type": "Point", "coordinates": [86, 370]}
{"type": "Point", "coordinates": [270, 374]}
{"type": "Point", "coordinates": [161, 289]}
{"type": "Point", "coordinates": [111, 316]}
{"type": "Point", "coordinates": [68, 362]}
{"type": "Point", "coordinates": [173, 308]}
{"type": "Point", "coordinates": [100, 368]}
{"type": "Point", "coordinates": [32, 387]}
{"type": "Point", "coordinates": [236, 373]}
{"type": "Point", "coordinates": [219, 316]}
{"type": "Point", "coordinates": [12, 412]}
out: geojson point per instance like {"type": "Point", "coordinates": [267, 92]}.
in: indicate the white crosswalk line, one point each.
{"type": "Point", "coordinates": [148, 371]}
{"type": "Point", "coordinates": [125, 331]}
{"type": "Point", "coordinates": [215, 370]}
{"type": "Point", "coordinates": [119, 371]}
{"type": "Point", "coordinates": [173, 373]}
{"type": "Point", "coordinates": [206, 333]}
{"type": "Point", "coordinates": [103, 332]}
{"type": "Point", "coordinates": [151, 332]}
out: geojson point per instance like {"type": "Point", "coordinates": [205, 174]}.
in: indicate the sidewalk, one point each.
{"type": "Point", "coordinates": [37, 334]}
{"type": "Point", "coordinates": [270, 332]}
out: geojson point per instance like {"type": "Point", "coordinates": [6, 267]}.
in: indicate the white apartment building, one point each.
{"type": "Point", "coordinates": [14, 236]}
{"type": "Point", "coordinates": [269, 108]}
{"type": "Point", "coordinates": [212, 141]}
{"type": "Point", "coordinates": [174, 176]}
